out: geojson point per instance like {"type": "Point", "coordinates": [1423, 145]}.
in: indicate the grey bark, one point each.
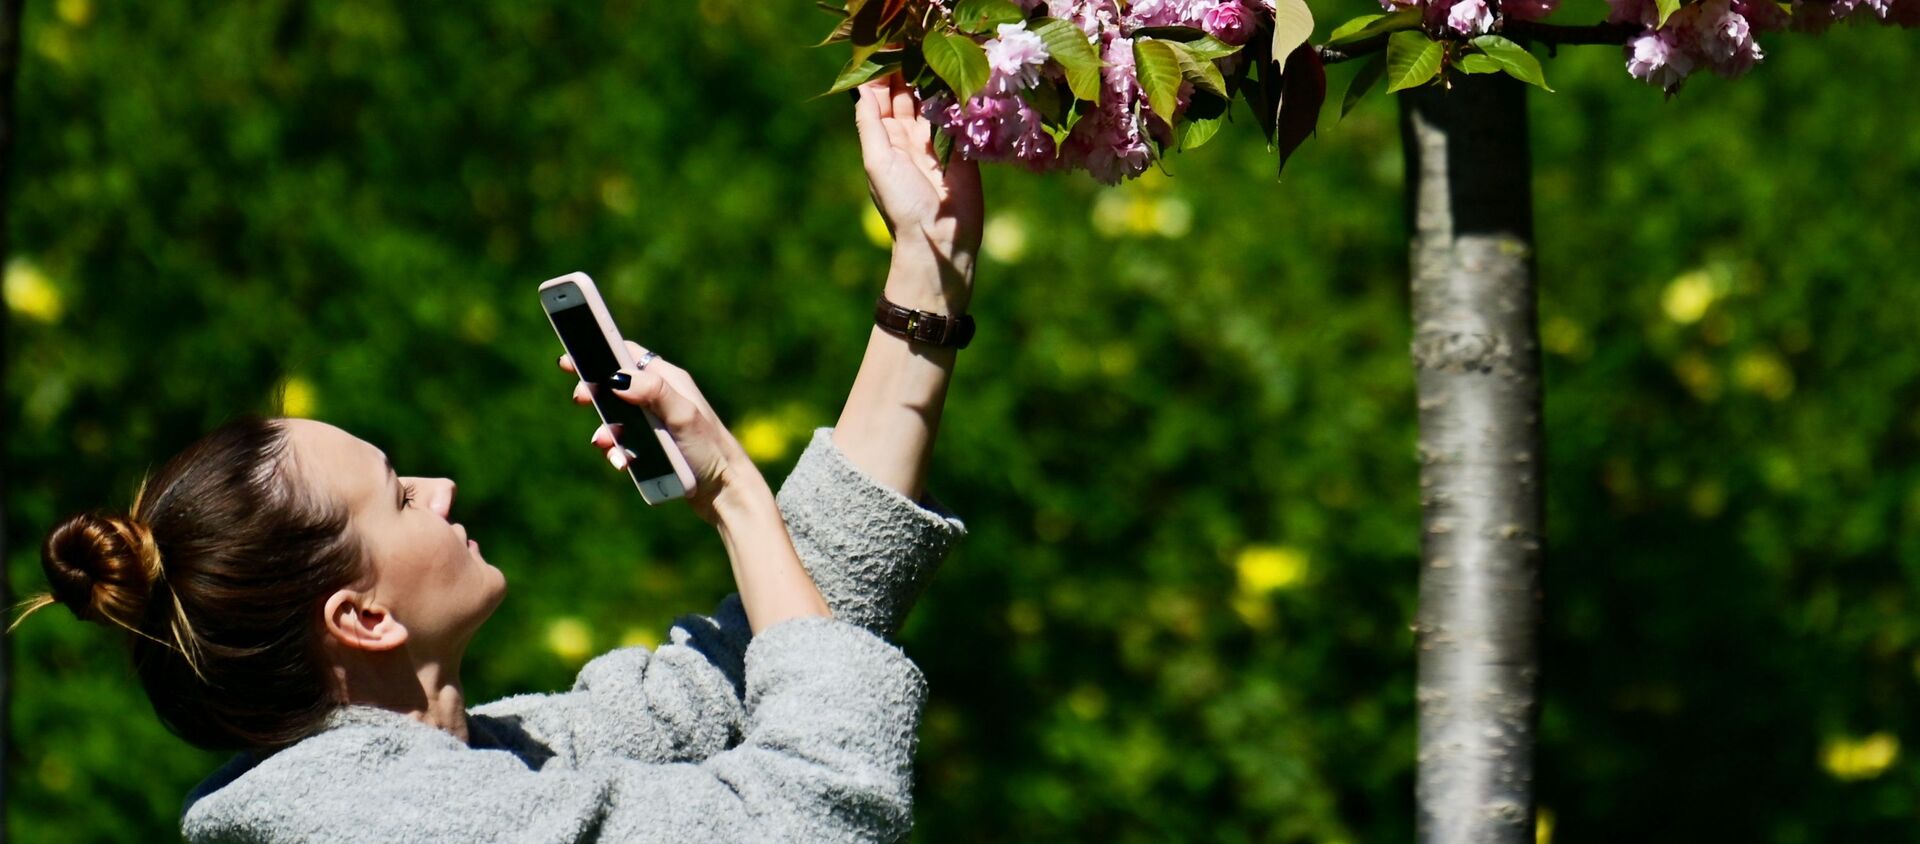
{"type": "Point", "coordinates": [9, 66]}
{"type": "Point", "coordinates": [1477, 364]}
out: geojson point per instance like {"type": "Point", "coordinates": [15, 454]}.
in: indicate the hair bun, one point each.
{"type": "Point", "coordinates": [102, 567]}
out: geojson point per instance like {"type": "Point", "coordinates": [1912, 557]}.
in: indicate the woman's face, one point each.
{"type": "Point", "coordinates": [423, 568]}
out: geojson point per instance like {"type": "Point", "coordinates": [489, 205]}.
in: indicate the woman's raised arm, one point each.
{"type": "Point", "coordinates": [892, 413]}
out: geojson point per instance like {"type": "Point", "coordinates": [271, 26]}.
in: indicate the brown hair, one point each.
{"type": "Point", "coordinates": [218, 575]}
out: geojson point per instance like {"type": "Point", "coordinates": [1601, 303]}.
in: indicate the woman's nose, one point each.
{"type": "Point", "coordinates": [442, 501]}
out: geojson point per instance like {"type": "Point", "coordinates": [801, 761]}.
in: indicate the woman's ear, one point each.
{"type": "Point", "coordinates": [354, 620]}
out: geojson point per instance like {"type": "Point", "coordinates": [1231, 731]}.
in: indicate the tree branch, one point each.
{"type": "Point", "coordinates": [1552, 35]}
{"type": "Point", "coordinates": [1330, 54]}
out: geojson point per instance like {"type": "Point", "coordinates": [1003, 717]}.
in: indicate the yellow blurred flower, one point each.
{"type": "Point", "coordinates": [570, 639]}
{"type": "Point", "coordinates": [1264, 569]}
{"type": "Point", "coordinates": [1024, 618]}
{"type": "Point", "coordinates": [1131, 212]}
{"type": "Point", "coordinates": [1005, 238]}
{"type": "Point", "coordinates": [76, 13]}
{"type": "Point", "coordinates": [1565, 337]}
{"type": "Point", "coordinates": [876, 227]}
{"type": "Point", "coordinates": [639, 637]}
{"type": "Point", "coordinates": [1088, 702]}
{"type": "Point", "coordinates": [1688, 297]}
{"type": "Point", "coordinates": [616, 193]}
{"type": "Point", "coordinates": [30, 293]}
{"type": "Point", "coordinates": [1543, 826]}
{"type": "Point", "coordinates": [765, 438]}
{"type": "Point", "coordinates": [1699, 376]}
{"type": "Point", "coordinates": [297, 397]}
{"type": "Point", "coordinates": [1761, 371]}
{"type": "Point", "coordinates": [1255, 610]}
{"type": "Point", "coordinates": [1847, 758]}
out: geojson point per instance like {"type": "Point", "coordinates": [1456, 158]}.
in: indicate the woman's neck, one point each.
{"type": "Point", "coordinates": [428, 691]}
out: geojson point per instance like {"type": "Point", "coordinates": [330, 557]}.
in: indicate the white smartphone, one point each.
{"type": "Point", "coordinates": [587, 332]}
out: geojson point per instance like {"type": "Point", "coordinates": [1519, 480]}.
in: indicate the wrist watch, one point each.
{"type": "Point", "coordinates": [923, 326]}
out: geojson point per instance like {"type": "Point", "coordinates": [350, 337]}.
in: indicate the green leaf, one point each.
{"type": "Point", "coordinates": [1343, 33]}
{"type": "Point", "coordinates": [1667, 8]}
{"type": "Point", "coordinates": [1070, 49]}
{"type": "Point", "coordinates": [1477, 63]}
{"type": "Point", "coordinates": [1205, 75]}
{"type": "Point", "coordinates": [841, 32]}
{"type": "Point", "coordinates": [1292, 26]}
{"type": "Point", "coordinates": [958, 61]}
{"type": "Point", "coordinates": [1193, 133]}
{"type": "Point", "coordinates": [1514, 59]}
{"type": "Point", "coordinates": [1208, 48]}
{"type": "Point", "coordinates": [942, 146]}
{"type": "Point", "coordinates": [1158, 67]}
{"type": "Point", "coordinates": [1046, 100]}
{"type": "Point", "coordinates": [984, 15]}
{"type": "Point", "coordinates": [862, 69]}
{"type": "Point", "coordinates": [1412, 59]}
{"type": "Point", "coordinates": [1368, 26]}
{"type": "Point", "coordinates": [1374, 67]}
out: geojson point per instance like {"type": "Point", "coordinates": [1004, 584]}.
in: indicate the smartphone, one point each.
{"type": "Point", "coordinates": [587, 332]}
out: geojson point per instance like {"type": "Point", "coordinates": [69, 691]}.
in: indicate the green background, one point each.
{"type": "Point", "coordinates": [1183, 440]}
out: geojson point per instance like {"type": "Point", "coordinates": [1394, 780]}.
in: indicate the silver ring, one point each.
{"type": "Point", "coordinates": [646, 357]}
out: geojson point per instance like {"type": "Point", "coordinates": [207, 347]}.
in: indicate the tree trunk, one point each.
{"type": "Point", "coordinates": [9, 66]}
{"type": "Point", "coordinates": [1477, 364]}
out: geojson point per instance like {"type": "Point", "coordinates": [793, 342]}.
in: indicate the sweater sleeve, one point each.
{"type": "Point", "coordinates": [870, 549]}
{"type": "Point", "coordinates": [680, 702]}
{"type": "Point", "coordinates": [832, 711]}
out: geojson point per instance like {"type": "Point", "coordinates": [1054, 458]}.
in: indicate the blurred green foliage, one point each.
{"type": "Point", "coordinates": [1183, 441]}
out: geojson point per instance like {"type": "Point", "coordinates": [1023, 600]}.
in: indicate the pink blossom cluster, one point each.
{"type": "Point", "coordinates": [1472, 17]}
{"type": "Point", "coordinates": [1718, 35]}
{"type": "Point", "coordinates": [1112, 141]}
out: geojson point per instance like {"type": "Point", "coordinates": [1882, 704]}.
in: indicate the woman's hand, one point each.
{"type": "Point", "coordinates": [729, 493]}
{"type": "Point", "coordinates": [933, 213]}
{"type": "Point", "coordinates": [720, 466]}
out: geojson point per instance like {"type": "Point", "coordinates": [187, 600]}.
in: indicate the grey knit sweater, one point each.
{"type": "Point", "coordinates": [803, 733]}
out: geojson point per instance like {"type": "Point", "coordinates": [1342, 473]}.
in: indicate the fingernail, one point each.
{"type": "Point", "coordinates": [559, 360]}
{"type": "Point", "coordinates": [618, 459]}
{"type": "Point", "coordinates": [620, 381]}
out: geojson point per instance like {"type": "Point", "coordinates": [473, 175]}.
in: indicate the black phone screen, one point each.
{"type": "Point", "coordinates": [580, 334]}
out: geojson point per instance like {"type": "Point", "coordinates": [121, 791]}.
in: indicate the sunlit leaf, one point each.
{"type": "Point", "coordinates": [1514, 59]}
{"type": "Point", "coordinates": [958, 61]}
{"type": "Point", "coordinates": [1069, 47]}
{"type": "Point", "coordinates": [1158, 67]}
{"type": "Point", "coordinates": [1292, 26]}
{"type": "Point", "coordinates": [1412, 59]}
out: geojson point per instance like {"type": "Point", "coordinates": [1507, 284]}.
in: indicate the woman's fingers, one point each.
{"type": "Point", "coordinates": [582, 394]}
{"type": "Point", "coordinates": [651, 391]}
{"type": "Point", "coordinates": [566, 365]}
{"type": "Point", "coordinates": [875, 146]}
{"type": "Point", "coordinates": [606, 435]}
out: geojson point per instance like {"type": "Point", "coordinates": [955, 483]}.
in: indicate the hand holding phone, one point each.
{"type": "Point", "coordinates": [586, 329]}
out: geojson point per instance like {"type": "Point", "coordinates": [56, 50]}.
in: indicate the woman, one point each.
{"type": "Point", "coordinates": [289, 595]}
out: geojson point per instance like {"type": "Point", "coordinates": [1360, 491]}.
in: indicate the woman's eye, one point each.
{"type": "Point", "coordinates": [406, 497]}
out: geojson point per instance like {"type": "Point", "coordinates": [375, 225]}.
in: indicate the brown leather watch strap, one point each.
{"type": "Point", "coordinates": [923, 326]}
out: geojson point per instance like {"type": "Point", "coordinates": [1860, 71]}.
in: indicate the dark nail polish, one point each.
{"type": "Point", "coordinates": [620, 381]}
